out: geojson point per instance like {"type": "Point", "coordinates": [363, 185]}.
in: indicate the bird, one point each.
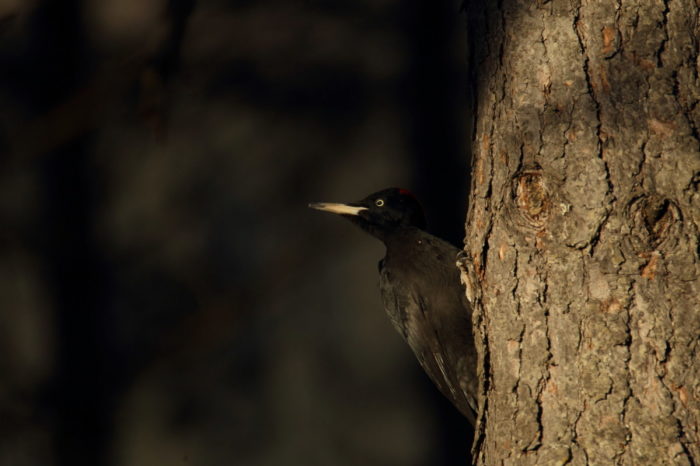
{"type": "Point", "coordinates": [421, 290]}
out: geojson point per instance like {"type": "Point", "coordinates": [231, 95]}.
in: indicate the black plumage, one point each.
{"type": "Point", "coordinates": [421, 290]}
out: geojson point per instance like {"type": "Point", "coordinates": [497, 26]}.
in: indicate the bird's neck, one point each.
{"type": "Point", "coordinates": [400, 240]}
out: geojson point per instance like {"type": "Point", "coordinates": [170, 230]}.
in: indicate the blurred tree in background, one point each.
{"type": "Point", "coordinates": [166, 297]}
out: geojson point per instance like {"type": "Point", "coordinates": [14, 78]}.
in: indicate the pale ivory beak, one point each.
{"type": "Point", "coordinates": [341, 209]}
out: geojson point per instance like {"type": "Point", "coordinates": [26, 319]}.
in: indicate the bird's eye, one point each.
{"type": "Point", "coordinates": [379, 202]}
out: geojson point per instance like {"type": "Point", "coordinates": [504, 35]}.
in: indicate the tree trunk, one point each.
{"type": "Point", "coordinates": [582, 253]}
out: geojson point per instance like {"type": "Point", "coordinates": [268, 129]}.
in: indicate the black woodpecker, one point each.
{"type": "Point", "coordinates": [421, 289]}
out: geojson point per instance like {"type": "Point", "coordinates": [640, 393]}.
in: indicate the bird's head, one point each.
{"type": "Point", "coordinates": [381, 213]}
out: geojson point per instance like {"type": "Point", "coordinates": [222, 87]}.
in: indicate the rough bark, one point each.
{"type": "Point", "coordinates": [583, 253]}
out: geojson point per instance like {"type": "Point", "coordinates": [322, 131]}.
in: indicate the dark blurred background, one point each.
{"type": "Point", "coordinates": [166, 296]}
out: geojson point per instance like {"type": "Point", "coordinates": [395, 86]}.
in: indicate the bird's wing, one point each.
{"type": "Point", "coordinates": [424, 332]}
{"type": "Point", "coordinates": [436, 353]}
